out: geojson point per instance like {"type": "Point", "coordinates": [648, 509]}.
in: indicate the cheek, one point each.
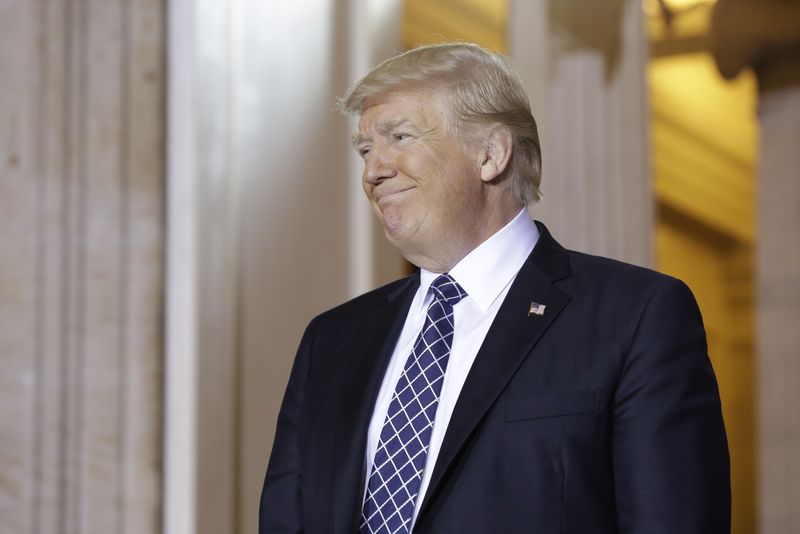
{"type": "Point", "coordinates": [457, 188]}
{"type": "Point", "coordinates": [420, 163]}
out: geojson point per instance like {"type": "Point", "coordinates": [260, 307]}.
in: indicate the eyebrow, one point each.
{"type": "Point", "coordinates": [384, 127]}
{"type": "Point", "coordinates": [357, 139]}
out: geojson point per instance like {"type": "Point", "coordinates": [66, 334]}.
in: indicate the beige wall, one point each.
{"type": "Point", "coordinates": [81, 185]}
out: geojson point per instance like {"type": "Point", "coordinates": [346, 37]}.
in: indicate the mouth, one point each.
{"type": "Point", "coordinates": [384, 197]}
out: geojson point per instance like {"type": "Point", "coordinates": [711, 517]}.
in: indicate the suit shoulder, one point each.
{"type": "Point", "coordinates": [623, 297]}
{"type": "Point", "coordinates": [601, 272]}
{"type": "Point", "coordinates": [357, 307]}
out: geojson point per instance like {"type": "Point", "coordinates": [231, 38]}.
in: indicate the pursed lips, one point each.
{"type": "Point", "coordinates": [383, 196]}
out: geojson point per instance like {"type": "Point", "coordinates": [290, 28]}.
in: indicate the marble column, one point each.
{"type": "Point", "coordinates": [584, 66]}
{"type": "Point", "coordinates": [778, 273]}
{"type": "Point", "coordinates": [268, 227]}
{"type": "Point", "coordinates": [81, 237]}
{"type": "Point", "coordinates": [765, 36]}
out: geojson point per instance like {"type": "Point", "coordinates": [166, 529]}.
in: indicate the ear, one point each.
{"type": "Point", "coordinates": [496, 153]}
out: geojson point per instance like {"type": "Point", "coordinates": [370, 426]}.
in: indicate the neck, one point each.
{"type": "Point", "coordinates": [448, 255]}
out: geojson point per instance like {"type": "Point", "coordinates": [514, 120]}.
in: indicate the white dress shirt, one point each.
{"type": "Point", "coordinates": [486, 275]}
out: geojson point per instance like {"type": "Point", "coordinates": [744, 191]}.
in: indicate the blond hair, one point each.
{"type": "Point", "coordinates": [484, 88]}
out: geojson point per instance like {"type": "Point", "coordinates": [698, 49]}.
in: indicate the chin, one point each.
{"type": "Point", "coordinates": [394, 224]}
{"type": "Point", "coordinates": [401, 227]}
{"type": "Point", "coordinates": [395, 235]}
{"type": "Point", "coordinates": [398, 234]}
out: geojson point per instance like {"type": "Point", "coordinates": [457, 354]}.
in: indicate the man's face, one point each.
{"type": "Point", "coordinates": [423, 182]}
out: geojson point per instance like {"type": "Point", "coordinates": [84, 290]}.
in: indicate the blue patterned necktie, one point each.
{"type": "Point", "coordinates": [403, 447]}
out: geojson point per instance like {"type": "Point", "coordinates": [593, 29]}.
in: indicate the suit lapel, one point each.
{"type": "Point", "coordinates": [370, 352]}
{"type": "Point", "coordinates": [510, 339]}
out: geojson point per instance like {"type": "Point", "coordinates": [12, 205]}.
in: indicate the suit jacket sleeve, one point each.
{"type": "Point", "coordinates": [280, 510]}
{"type": "Point", "coordinates": [670, 456]}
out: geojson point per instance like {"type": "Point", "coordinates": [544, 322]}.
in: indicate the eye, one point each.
{"type": "Point", "coordinates": [363, 151]}
{"type": "Point", "coordinates": [401, 136]}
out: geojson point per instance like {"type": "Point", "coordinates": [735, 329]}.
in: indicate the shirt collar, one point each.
{"type": "Point", "coordinates": [484, 272]}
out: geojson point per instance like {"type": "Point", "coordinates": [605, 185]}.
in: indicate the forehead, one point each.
{"type": "Point", "coordinates": [423, 109]}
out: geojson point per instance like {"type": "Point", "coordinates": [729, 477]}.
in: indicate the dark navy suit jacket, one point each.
{"type": "Point", "coordinates": [601, 415]}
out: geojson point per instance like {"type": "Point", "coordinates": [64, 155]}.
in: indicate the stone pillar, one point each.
{"type": "Point", "coordinates": [268, 228]}
{"type": "Point", "coordinates": [765, 36]}
{"type": "Point", "coordinates": [81, 237]}
{"type": "Point", "coordinates": [584, 66]}
{"type": "Point", "coordinates": [310, 240]}
{"type": "Point", "coordinates": [778, 279]}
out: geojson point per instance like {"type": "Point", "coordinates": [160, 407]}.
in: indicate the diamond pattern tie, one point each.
{"type": "Point", "coordinates": [403, 446]}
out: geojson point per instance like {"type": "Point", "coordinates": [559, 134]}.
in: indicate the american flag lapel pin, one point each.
{"type": "Point", "coordinates": [536, 309]}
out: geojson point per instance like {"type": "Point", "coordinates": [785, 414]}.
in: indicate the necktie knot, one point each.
{"type": "Point", "coordinates": [445, 288]}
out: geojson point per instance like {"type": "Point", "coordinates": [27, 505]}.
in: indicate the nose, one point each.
{"type": "Point", "coordinates": [378, 167]}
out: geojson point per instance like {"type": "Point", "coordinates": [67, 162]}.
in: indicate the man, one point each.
{"type": "Point", "coordinates": [510, 385]}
